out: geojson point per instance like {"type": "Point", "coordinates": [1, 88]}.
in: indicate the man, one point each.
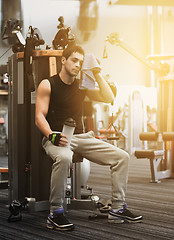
{"type": "Point", "coordinates": [59, 98]}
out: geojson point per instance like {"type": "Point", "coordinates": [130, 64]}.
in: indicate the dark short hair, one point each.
{"type": "Point", "coordinates": [71, 49]}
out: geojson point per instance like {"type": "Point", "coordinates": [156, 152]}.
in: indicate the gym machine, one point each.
{"type": "Point", "coordinates": [29, 175]}
{"type": "Point", "coordinates": [162, 158]}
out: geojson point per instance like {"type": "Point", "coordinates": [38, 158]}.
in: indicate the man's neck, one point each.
{"type": "Point", "coordinates": [66, 78]}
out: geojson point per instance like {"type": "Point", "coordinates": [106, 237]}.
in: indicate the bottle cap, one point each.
{"type": "Point", "coordinates": [70, 122]}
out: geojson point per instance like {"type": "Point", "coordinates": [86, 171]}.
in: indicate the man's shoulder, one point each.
{"type": "Point", "coordinates": [45, 81]}
{"type": "Point", "coordinates": [50, 80]}
{"type": "Point", "coordinates": [44, 85]}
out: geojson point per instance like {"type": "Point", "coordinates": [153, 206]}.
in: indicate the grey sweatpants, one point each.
{"type": "Point", "coordinates": [94, 150]}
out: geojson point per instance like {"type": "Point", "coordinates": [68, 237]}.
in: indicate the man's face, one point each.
{"type": "Point", "coordinates": [73, 64]}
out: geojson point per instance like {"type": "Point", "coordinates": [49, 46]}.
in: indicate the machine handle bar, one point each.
{"type": "Point", "coordinates": [148, 136]}
{"type": "Point", "coordinates": [153, 136]}
{"type": "Point", "coordinates": [168, 136]}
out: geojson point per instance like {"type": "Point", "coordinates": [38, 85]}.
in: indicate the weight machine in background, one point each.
{"type": "Point", "coordinates": [161, 159]}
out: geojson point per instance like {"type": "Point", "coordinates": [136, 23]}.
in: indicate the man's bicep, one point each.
{"type": "Point", "coordinates": [42, 99]}
{"type": "Point", "coordinates": [94, 95]}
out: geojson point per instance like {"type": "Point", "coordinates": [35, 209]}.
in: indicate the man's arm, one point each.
{"type": "Point", "coordinates": [41, 107]}
{"type": "Point", "coordinates": [41, 110]}
{"type": "Point", "coordinates": [103, 93]}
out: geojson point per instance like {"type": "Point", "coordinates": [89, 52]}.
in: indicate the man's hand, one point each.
{"type": "Point", "coordinates": [58, 139]}
{"type": "Point", "coordinates": [96, 71]}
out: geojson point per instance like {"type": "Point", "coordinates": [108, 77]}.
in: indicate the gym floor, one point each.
{"type": "Point", "coordinates": [155, 201]}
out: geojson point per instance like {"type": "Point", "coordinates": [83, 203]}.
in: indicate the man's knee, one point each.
{"type": "Point", "coordinates": [126, 156]}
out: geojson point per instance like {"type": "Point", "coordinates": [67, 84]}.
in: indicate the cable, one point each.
{"type": "Point", "coordinates": [5, 52]}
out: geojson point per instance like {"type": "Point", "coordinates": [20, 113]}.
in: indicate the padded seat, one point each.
{"type": "Point", "coordinates": [149, 153]}
{"type": "Point", "coordinates": [77, 158]}
{"type": "Point", "coordinates": [3, 178]}
{"type": "Point", "coordinates": [158, 166]}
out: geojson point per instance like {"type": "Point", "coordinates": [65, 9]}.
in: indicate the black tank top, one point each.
{"type": "Point", "coordinates": [66, 101]}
